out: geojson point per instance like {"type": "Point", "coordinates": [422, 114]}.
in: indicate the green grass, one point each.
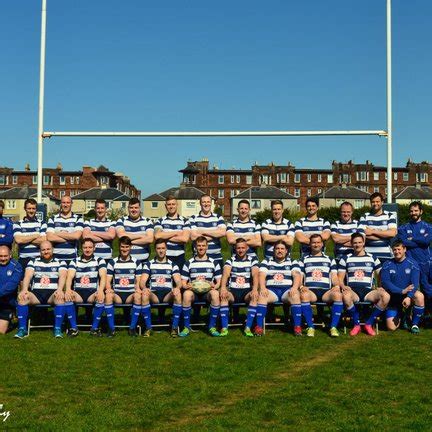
{"type": "Point", "coordinates": [275, 383]}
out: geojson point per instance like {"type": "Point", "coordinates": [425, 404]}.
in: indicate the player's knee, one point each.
{"type": "Point", "coordinates": [304, 297]}
{"type": "Point", "coordinates": [384, 297]}
{"type": "Point", "coordinates": [214, 297]}
{"type": "Point", "coordinates": [419, 298]}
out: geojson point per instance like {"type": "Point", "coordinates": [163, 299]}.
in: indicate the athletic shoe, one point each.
{"type": "Point", "coordinates": [415, 330]}
{"type": "Point", "coordinates": [247, 332]}
{"type": "Point", "coordinates": [185, 332]}
{"type": "Point", "coordinates": [174, 333]}
{"type": "Point", "coordinates": [213, 332]}
{"type": "Point", "coordinates": [369, 330]}
{"type": "Point", "coordinates": [58, 333]}
{"type": "Point", "coordinates": [111, 333]}
{"type": "Point", "coordinates": [21, 333]}
{"type": "Point", "coordinates": [72, 332]}
{"type": "Point", "coordinates": [148, 333]}
{"type": "Point", "coordinates": [355, 330]}
{"type": "Point", "coordinates": [258, 331]}
{"type": "Point", "coordinates": [310, 332]}
{"type": "Point", "coordinates": [95, 333]}
{"type": "Point", "coordinates": [223, 332]}
{"type": "Point", "coordinates": [334, 332]}
{"type": "Point", "coordinates": [132, 332]}
{"type": "Point", "coordinates": [298, 331]}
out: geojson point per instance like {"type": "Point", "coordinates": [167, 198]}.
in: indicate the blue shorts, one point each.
{"type": "Point", "coordinates": [43, 295]}
{"type": "Point", "coordinates": [123, 294]}
{"type": "Point", "coordinates": [240, 294]}
{"type": "Point", "coordinates": [319, 292]}
{"type": "Point", "coordinates": [394, 308]}
{"type": "Point", "coordinates": [161, 293]}
{"type": "Point", "coordinates": [6, 310]}
{"type": "Point", "coordinates": [85, 293]}
{"type": "Point", "coordinates": [278, 292]}
{"type": "Point", "coordinates": [362, 292]}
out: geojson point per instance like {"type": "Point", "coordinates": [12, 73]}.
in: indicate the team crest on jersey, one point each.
{"type": "Point", "coordinates": [131, 271]}
{"type": "Point", "coordinates": [250, 229]}
{"type": "Point", "coordinates": [71, 224]}
{"type": "Point", "coordinates": [9, 272]}
{"type": "Point", "coordinates": [208, 270]}
{"type": "Point", "coordinates": [53, 269]}
{"type": "Point", "coordinates": [93, 269]}
{"type": "Point", "coordinates": [422, 231]}
{"type": "Point", "coordinates": [214, 224]}
{"type": "Point", "coordinates": [317, 275]}
{"type": "Point", "coordinates": [407, 270]}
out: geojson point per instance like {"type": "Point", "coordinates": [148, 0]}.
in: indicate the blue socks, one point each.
{"type": "Point", "coordinates": [224, 314]}
{"type": "Point", "coordinates": [176, 312]}
{"type": "Point", "coordinates": [336, 312]}
{"type": "Point", "coordinates": [59, 313]}
{"type": "Point", "coordinates": [136, 310]}
{"type": "Point", "coordinates": [71, 314]}
{"type": "Point", "coordinates": [109, 309]}
{"type": "Point", "coordinates": [186, 316]}
{"type": "Point", "coordinates": [296, 315]}
{"type": "Point", "coordinates": [261, 312]}
{"type": "Point", "coordinates": [22, 312]}
{"type": "Point", "coordinates": [376, 312]}
{"type": "Point", "coordinates": [146, 313]}
{"type": "Point", "coordinates": [251, 312]}
{"type": "Point", "coordinates": [417, 313]}
{"type": "Point", "coordinates": [306, 309]}
{"type": "Point", "coordinates": [214, 313]}
{"type": "Point", "coordinates": [97, 314]}
{"type": "Point", "coordinates": [353, 313]}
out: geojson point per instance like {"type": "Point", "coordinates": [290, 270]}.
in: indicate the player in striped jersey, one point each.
{"type": "Point", "coordinates": [244, 227]}
{"type": "Point", "coordinates": [175, 230]}
{"type": "Point", "coordinates": [240, 284]}
{"type": "Point", "coordinates": [276, 228]}
{"type": "Point", "coordinates": [356, 276]}
{"type": "Point", "coordinates": [123, 277]}
{"type": "Point", "coordinates": [29, 233]}
{"type": "Point", "coordinates": [320, 284]}
{"type": "Point", "coordinates": [379, 227]}
{"type": "Point", "coordinates": [43, 283]}
{"type": "Point", "coordinates": [160, 282]}
{"type": "Point", "coordinates": [64, 231]}
{"type": "Point", "coordinates": [278, 283]}
{"type": "Point", "coordinates": [85, 283]}
{"type": "Point", "coordinates": [342, 230]}
{"type": "Point", "coordinates": [209, 225]}
{"type": "Point", "coordinates": [138, 229]}
{"type": "Point", "coordinates": [100, 230]}
{"type": "Point", "coordinates": [201, 268]}
{"type": "Point", "coordinates": [309, 225]}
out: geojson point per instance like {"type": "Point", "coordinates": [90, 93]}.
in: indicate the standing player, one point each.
{"type": "Point", "coordinates": [201, 268]}
{"type": "Point", "coordinates": [29, 233]}
{"type": "Point", "coordinates": [244, 227]}
{"type": "Point", "coordinates": [310, 225]}
{"type": "Point", "coordinates": [275, 229]}
{"type": "Point", "coordinates": [100, 230]}
{"type": "Point", "coordinates": [400, 277]}
{"type": "Point", "coordinates": [43, 283]}
{"type": "Point", "coordinates": [64, 231]}
{"type": "Point", "coordinates": [320, 284]}
{"type": "Point", "coordinates": [379, 227]}
{"type": "Point", "coordinates": [240, 284]}
{"type": "Point", "coordinates": [138, 229]}
{"type": "Point", "coordinates": [209, 225]}
{"type": "Point", "coordinates": [356, 276]}
{"type": "Point", "coordinates": [6, 229]}
{"type": "Point", "coordinates": [175, 230]}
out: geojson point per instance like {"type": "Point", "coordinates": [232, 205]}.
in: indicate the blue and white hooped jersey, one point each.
{"type": "Point", "coordinates": [29, 227]}
{"type": "Point", "coordinates": [196, 269]}
{"type": "Point", "coordinates": [87, 272]}
{"type": "Point", "coordinates": [241, 271]}
{"type": "Point", "coordinates": [168, 224]}
{"type": "Point", "coordinates": [317, 270]}
{"type": "Point", "coordinates": [137, 226]}
{"type": "Point", "coordinates": [278, 274]}
{"type": "Point", "coordinates": [67, 250]}
{"type": "Point", "coordinates": [345, 229]}
{"type": "Point", "coordinates": [103, 249]}
{"type": "Point", "coordinates": [285, 227]}
{"type": "Point", "coordinates": [359, 270]}
{"type": "Point", "coordinates": [383, 222]}
{"type": "Point", "coordinates": [211, 222]}
{"type": "Point", "coordinates": [160, 273]}
{"type": "Point", "coordinates": [309, 227]}
{"type": "Point", "coordinates": [124, 273]}
{"type": "Point", "coordinates": [244, 229]}
{"type": "Point", "coordinates": [46, 273]}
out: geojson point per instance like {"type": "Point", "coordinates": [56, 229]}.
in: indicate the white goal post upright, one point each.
{"type": "Point", "coordinates": [46, 134]}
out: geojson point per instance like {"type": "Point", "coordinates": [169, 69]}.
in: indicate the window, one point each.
{"type": "Point", "coordinates": [237, 179]}
{"type": "Point", "coordinates": [221, 179]}
{"type": "Point", "coordinates": [11, 204]}
{"type": "Point", "coordinates": [395, 176]}
{"type": "Point", "coordinates": [282, 178]}
{"type": "Point", "coordinates": [297, 192]}
{"type": "Point", "coordinates": [344, 178]}
{"type": "Point", "coordinates": [256, 204]}
{"type": "Point", "coordinates": [154, 204]}
{"type": "Point", "coordinates": [309, 192]}
{"type": "Point", "coordinates": [14, 179]}
{"type": "Point", "coordinates": [34, 179]}
{"type": "Point", "coordinates": [72, 180]}
{"type": "Point", "coordinates": [77, 180]}
{"type": "Point", "coordinates": [90, 205]}
{"type": "Point", "coordinates": [62, 180]}
{"type": "Point", "coordinates": [319, 178]}
{"type": "Point", "coordinates": [192, 178]}
{"type": "Point", "coordinates": [376, 188]}
{"type": "Point", "coordinates": [296, 178]}
{"type": "Point", "coordinates": [46, 179]}
{"type": "Point", "coordinates": [2, 180]}
{"type": "Point", "coordinates": [233, 193]}
{"type": "Point", "coordinates": [190, 204]}
{"type": "Point", "coordinates": [248, 179]}
{"type": "Point", "coordinates": [422, 177]}
{"type": "Point", "coordinates": [405, 176]}
{"type": "Point", "coordinates": [221, 207]}
{"type": "Point", "coordinates": [62, 193]}
{"type": "Point", "coordinates": [104, 180]}
{"type": "Point", "coordinates": [264, 179]}
{"type": "Point", "coordinates": [221, 193]}
{"type": "Point", "coordinates": [329, 178]}
{"type": "Point", "coordinates": [309, 178]}
{"type": "Point", "coordinates": [124, 205]}
{"type": "Point", "coordinates": [358, 203]}
{"type": "Point", "coordinates": [319, 190]}
{"type": "Point", "coordinates": [376, 176]}
{"type": "Point", "coordinates": [232, 179]}
{"type": "Point", "coordinates": [362, 175]}
{"type": "Point", "coordinates": [395, 190]}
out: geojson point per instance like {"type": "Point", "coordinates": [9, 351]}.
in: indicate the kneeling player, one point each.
{"type": "Point", "coordinates": [85, 283]}
{"type": "Point", "coordinates": [320, 284]}
{"type": "Point", "coordinates": [201, 268]}
{"type": "Point", "coordinates": [400, 278]}
{"type": "Point", "coordinates": [160, 282]}
{"type": "Point", "coordinates": [240, 284]}
{"type": "Point", "coordinates": [43, 283]}
{"type": "Point", "coordinates": [356, 276]}
{"type": "Point", "coordinates": [278, 283]}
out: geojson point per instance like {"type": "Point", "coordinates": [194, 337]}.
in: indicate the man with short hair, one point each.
{"type": "Point", "coordinates": [43, 283]}
{"type": "Point", "coordinates": [275, 229]}
{"type": "Point", "coordinates": [64, 231]}
{"type": "Point", "coordinates": [356, 277]}
{"type": "Point", "coordinates": [100, 230]}
{"type": "Point", "coordinates": [400, 277]}
{"type": "Point", "coordinates": [138, 229]}
{"type": "Point", "coordinates": [6, 228]}
{"type": "Point", "coordinates": [175, 230]}
{"type": "Point", "coordinates": [310, 225]}
{"type": "Point", "coordinates": [11, 274]}
{"type": "Point", "coordinates": [379, 227]}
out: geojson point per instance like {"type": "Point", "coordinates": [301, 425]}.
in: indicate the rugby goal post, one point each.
{"type": "Point", "coordinates": [50, 134]}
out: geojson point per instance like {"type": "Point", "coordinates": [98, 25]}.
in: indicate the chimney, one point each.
{"type": "Point", "coordinates": [59, 166]}
{"type": "Point", "coordinates": [27, 167]}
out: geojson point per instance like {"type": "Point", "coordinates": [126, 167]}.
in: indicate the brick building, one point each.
{"type": "Point", "coordinates": [224, 184]}
{"type": "Point", "coordinates": [59, 182]}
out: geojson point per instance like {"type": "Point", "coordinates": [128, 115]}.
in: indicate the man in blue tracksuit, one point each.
{"type": "Point", "coordinates": [10, 277]}
{"type": "Point", "coordinates": [6, 228]}
{"type": "Point", "coordinates": [400, 277]}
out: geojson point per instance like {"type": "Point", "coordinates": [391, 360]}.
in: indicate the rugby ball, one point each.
{"type": "Point", "coordinates": [201, 286]}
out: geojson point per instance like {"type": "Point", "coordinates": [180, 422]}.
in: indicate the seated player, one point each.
{"type": "Point", "coordinates": [320, 284]}
{"type": "Point", "coordinates": [160, 282]}
{"type": "Point", "coordinates": [201, 268]}
{"type": "Point", "coordinates": [426, 281]}
{"type": "Point", "coordinates": [356, 276]}
{"type": "Point", "coordinates": [278, 283]}
{"type": "Point", "coordinates": [86, 282]}
{"type": "Point", "coordinates": [400, 277]}
{"type": "Point", "coordinates": [240, 284]}
{"type": "Point", "coordinates": [43, 283]}
{"type": "Point", "coordinates": [123, 274]}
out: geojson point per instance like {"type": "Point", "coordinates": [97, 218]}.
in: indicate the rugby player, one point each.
{"type": "Point", "coordinates": [43, 283]}
{"type": "Point", "coordinates": [356, 277]}
{"type": "Point", "coordinates": [6, 228]}
{"type": "Point", "coordinates": [201, 268]}
{"type": "Point", "coordinates": [320, 284]}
